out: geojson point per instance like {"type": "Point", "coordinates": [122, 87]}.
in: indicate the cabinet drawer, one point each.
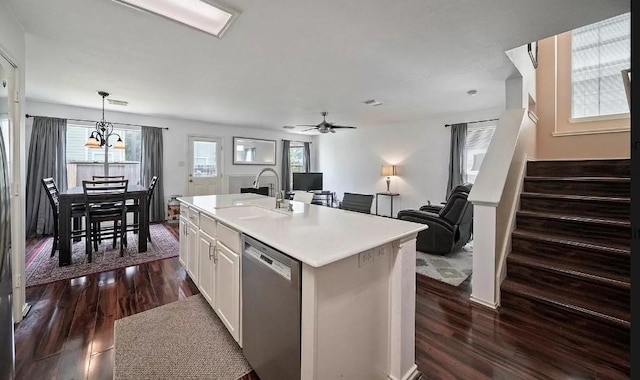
{"type": "Point", "coordinates": [229, 237]}
{"type": "Point", "coordinates": [194, 216]}
{"type": "Point", "coordinates": [208, 225]}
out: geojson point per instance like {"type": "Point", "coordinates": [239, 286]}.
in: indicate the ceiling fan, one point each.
{"type": "Point", "coordinates": [324, 126]}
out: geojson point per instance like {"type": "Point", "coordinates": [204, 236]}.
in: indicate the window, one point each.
{"type": "Point", "coordinates": [205, 163]}
{"type": "Point", "coordinates": [599, 52]}
{"type": "Point", "coordinates": [296, 159]}
{"type": "Point", "coordinates": [477, 143]}
{"type": "Point", "coordinates": [84, 162]}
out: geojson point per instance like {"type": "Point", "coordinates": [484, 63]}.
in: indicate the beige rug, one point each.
{"type": "Point", "coordinates": [181, 340]}
{"type": "Point", "coordinates": [451, 269]}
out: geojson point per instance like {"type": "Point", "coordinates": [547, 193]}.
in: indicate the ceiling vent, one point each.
{"type": "Point", "coordinates": [372, 102]}
{"type": "Point", "coordinates": [118, 102]}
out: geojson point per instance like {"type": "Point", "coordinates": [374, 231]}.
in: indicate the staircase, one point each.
{"type": "Point", "coordinates": [569, 268]}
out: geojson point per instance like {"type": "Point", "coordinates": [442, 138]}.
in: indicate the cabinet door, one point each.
{"type": "Point", "coordinates": [206, 267]}
{"type": "Point", "coordinates": [228, 289]}
{"type": "Point", "coordinates": [183, 257]}
{"type": "Point", "coordinates": [192, 249]}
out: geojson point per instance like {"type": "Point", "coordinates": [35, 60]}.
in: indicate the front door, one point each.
{"type": "Point", "coordinates": [205, 166]}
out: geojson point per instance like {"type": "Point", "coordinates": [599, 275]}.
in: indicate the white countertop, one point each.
{"type": "Point", "coordinates": [316, 235]}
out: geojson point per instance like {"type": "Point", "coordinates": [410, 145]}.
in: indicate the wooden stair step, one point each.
{"type": "Point", "coordinates": [576, 328]}
{"type": "Point", "coordinates": [558, 268]}
{"type": "Point", "coordinates": [595, 186]}
{"type": "Point", "coordinates": [555, 298]}
{"type": "Point", "coordinates": [618, 208]}
{"type": "Point", "coordinates": [602, 258]}
{"type": "Point", "coordinates": [580, 168]}
{"type": "Point", "coordinates": [577, 291]}
{"type": "Point", "coordinates": [589, 228]}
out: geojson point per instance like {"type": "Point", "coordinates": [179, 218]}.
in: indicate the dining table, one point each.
{"type": "Point", "coordinates": [75, 195]}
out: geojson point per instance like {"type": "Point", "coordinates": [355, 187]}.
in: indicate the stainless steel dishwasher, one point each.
{"type": "Point", "coordinates": [271, 299]}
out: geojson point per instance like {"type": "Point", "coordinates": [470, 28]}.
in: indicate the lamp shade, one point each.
{"type": "Point", "coordinates": [92, 142]}
{"type": "Point", "coordinates": [118, 144]}
{"type": "Point", "coordinates": [388, 170]}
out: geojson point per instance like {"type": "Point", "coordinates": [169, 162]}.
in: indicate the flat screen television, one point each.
{"type": "Point", "coordinates": [307, 181]}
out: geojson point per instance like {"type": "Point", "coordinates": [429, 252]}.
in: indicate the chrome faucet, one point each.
{"type": "Point", "coordinates": [279, 196]}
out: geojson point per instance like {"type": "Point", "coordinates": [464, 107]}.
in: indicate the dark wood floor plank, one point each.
{"type": "Point", "coordinates": [60, 322]}
{"type": "Point", "coordinates": [46, 368]}
{"type": "Point", "coordinates": [77, 349]}
{"type": "Point", "coordinates": [455, 339]}
{"type": "Point", "coordinates": [126, 290]}
{"type": "Point", "coordinates": [145, 295]}
{"type": "Point", "coordinates": [106, 312]}
{"type": "Point", "coordinates": [101, 366]}
{"type": "Point", "coordinates": [30, 332]}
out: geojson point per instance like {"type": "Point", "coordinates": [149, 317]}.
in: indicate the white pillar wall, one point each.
{"type": "Point", "coordinates": [483, 282]}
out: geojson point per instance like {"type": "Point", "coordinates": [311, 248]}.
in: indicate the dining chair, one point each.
{"type": "Point", "coordinates": [135, 207]}
{"type": "Point", "coordinates": [105, 201]}
{"type": "Point", "coordinates": [77, 212]}
{"type": "Point", "coordinates": [303, 196]}
{"type": "Point", "coordinates": [107, 177]}
{"type": "Point", "coordinates": [357, 202]}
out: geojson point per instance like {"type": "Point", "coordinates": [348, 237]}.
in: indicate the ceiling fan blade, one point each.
{"type": "Point", "coordinates": [306, 125]}
{"type": "Point", "coordinates": [342, 126]}
{"type": "Point", "coordinates": [308, 129]}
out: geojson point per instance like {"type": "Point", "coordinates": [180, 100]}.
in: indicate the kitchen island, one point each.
{"type": "Point", "coordinates": [357, 282]}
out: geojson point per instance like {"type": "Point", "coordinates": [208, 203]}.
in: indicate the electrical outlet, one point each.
{"type": "Point", "coordinates": [365, 258]}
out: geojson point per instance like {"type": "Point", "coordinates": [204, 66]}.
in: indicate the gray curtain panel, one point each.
{"type": "Point", "coordinates": [458, 156]}
{"type": "Point", "coordinates": [307, 157]}
{"type": "Point", "coordinates": [47, 158]}
{"type": "Point", "coordinates": [151, 153]}
{"type": "Point", "coordinates": [286, 168]}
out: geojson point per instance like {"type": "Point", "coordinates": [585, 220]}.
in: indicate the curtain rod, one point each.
{"type": "Point", "coordinates": [93, 121]}
{"type": "Point", "coordinates": [310, 142]}
{"type": "Point", "coordinates": [472, 122]}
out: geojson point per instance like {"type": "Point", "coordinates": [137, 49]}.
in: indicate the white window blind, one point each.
{"type": "Point", "coordinates": [599, 52]}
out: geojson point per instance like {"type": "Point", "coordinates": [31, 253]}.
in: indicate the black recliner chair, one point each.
{"type": "Point", "coordinates": [450, 227]}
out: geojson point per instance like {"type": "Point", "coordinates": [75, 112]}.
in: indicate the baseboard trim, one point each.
{"type": "Point", "coordinates": [411, 374]}
{"type": "Point", "coordinates": [484, 303]}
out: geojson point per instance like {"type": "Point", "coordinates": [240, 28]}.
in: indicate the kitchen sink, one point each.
{"type": "Point", "coordinates": [251, 212]}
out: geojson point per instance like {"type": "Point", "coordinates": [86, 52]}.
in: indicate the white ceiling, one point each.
{"type": "Point", "coordinates": [284, 61]}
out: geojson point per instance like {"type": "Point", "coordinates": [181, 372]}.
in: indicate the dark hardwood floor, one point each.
{"type": "Point", "coordinates": [68, 334]}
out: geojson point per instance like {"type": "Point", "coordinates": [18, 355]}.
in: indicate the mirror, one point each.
{"type": "Point", "coordinates": [248, 151]}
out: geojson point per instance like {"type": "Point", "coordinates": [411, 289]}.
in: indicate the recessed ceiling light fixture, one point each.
{"type": "Point", "coordinates": [205, 15]}
{"type": "Point", "coordinates": [288, 127]}
{"type": "Point", "coordinates": [372, 102]}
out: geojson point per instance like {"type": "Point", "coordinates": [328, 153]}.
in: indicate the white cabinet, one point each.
{"type": "Point", "coordinates": [184, 250]}
{"type": "Point", "coordinates": [227, 289]}
{"type": "Point", "coordinates": [207, 267]}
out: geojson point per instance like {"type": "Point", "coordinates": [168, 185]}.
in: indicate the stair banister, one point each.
{"type": "Point", "coordinates": [495, 196]}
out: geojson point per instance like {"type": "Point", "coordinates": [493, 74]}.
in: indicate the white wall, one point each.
{"type": "Point", "coordinates": [175, 139]}
{"type": "Point", "coordinates": [12, 47]}
{"type": "Point", "coordinates": [351, 159]}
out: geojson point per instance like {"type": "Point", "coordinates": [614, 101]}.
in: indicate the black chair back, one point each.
{"type": "Point", "coordinates": [108, 196]}
{"type": "Point", "coordinates": [51, 189]}
{"type": "Point", "coordinates": [263, 190]}
{"type": "Point", "coordinates": [107, 177]}
{"type": "Point", "coordinates": [357, 202]}
{"type": "Point", "coordinates": [152, 186]}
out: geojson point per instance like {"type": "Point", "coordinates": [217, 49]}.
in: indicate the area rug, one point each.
{"type": "Point", "coordinates": [43, 269]}
{"type": "Point", "coordinates": [181, 340]}
{"type": "Point", "coordinates": [452, 269]}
